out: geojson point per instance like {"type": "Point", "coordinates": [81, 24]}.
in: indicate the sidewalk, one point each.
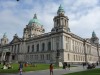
{"type": "Point", "coordinates": [56, 71]}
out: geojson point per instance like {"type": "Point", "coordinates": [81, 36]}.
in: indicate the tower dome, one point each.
{"type": "Point", "coordinates": [60, 10]}
{"type": "Point", "coordinates": [4, 40]}
{"type": "Point", "coordinates": [93, 34]}
{"type": "Point", "coordinates": [94, 38]}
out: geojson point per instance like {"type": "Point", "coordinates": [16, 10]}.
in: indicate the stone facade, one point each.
{"type": "Point", "coordinates": [58, 46]}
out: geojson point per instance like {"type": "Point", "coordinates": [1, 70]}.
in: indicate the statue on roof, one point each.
{"type": "Point", "coordinates": [4, 35]}
{"type": "Point", "coordinates": [35, 16]}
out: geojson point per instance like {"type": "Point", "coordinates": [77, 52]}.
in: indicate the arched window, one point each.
{"type": "Point", "coordinates": [28, 49]}
{"type": "Point", "coordinates": [43, 46]}
{"type": "Point", "coordinates": [37, 47]}
{"type": "Point", "coordinates": [32, 48]}
{"type": "Point", "coordinates": [68, 57]}
{"type": "Point", "coordinates": [13, 57]}
{"type": "Point", "coordinates": [49, 45]}
{"type": "Point", "coordinates": [74, 57]}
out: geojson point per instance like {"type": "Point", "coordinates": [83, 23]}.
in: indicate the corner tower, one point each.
{"type": "Point", "coordinates": [94, 38]}
{"type": "Point", "coordinates": [4, 40]}
{"type": "Point", "coordinates": [60, 21]}
{"type": "Point", "coordinates": [33, 28]}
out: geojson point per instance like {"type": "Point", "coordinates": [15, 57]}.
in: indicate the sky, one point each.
{"type": "Point", "coordinates": [84, 15]}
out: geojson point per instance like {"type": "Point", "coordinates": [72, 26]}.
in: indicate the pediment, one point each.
{"type": "Point", "coordinates": [15, 40]}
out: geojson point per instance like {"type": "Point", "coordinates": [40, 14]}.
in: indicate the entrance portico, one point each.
{"type": "Point", "coordinates": [5, 56]}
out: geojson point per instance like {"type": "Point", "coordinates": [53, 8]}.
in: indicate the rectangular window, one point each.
{"type": "Point", "coordinates": [48, 56]}
{"type": "Point", "coordinates": [42, 56]}
{"type": "Point", "coordinates": [28, 49]}
{"type": "Point", "coordinates": [37, 47]}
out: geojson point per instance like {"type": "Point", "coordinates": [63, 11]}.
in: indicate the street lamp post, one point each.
{"type": "Point", "coordinates": [57, 58]}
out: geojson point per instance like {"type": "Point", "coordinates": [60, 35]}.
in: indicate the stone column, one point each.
{"type": "Point", "coordinates": [62, 42]}
{"type": "Point", "coordinates": [71, 44]}
{"type": "Point", "coordinates": [2, 56]}
{"type": "Point", "coordinates": [53, 43]}
{"type": "Point", "coordinates": [17, 48]}
{"type": "Point", "coordinates": [23, 47]}
{"type": "Point", "coordinates": [39, 43]}
{"type": "Point", "coordinates": [63, 22]}
{"type": "Point", "coordinates": [98, 53]}
{"type": "Point", "coordinates": [85, 52]}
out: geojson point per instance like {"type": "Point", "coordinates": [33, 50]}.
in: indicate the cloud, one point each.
{"type": "Point", "coordinates": [85, 3]}
{"type": "Point", "coordinates": [83, 15]}
{"type": "Point", "coordinates": [79, 7]}
{"type": "Point", "coordinates": [15, 16]}
{"type": "Point", "coordinates": [8, 4]}
{"type": "Point", "coordinates": [9, 23]}
{"type": "Point", "coordinates": [87, 23]}
{"type": "Point", "coordinates": [28, 1]}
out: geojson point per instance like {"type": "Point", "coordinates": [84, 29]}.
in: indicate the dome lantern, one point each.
{"type": "Point", "coordinates": [34, 20]}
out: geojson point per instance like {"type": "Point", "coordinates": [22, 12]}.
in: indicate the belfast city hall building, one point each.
{"type": "Point", "coordinates": [59, 45]}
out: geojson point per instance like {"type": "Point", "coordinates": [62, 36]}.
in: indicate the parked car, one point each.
{"type": "Point", "coordinates": [90, 66]}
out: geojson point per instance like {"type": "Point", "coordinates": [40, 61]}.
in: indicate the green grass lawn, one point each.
{"type": "Point", "coordinates": [28, 68]}
{"type": "Point", "coordinates": [88, 72]}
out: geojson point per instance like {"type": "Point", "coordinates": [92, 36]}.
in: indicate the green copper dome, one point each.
{"type": "Point", "coordinates": [93, 34]}
{"type": "Point", "coordinates": [60, 9]}
{"type": "Point", "coordinates": [34, 20]}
